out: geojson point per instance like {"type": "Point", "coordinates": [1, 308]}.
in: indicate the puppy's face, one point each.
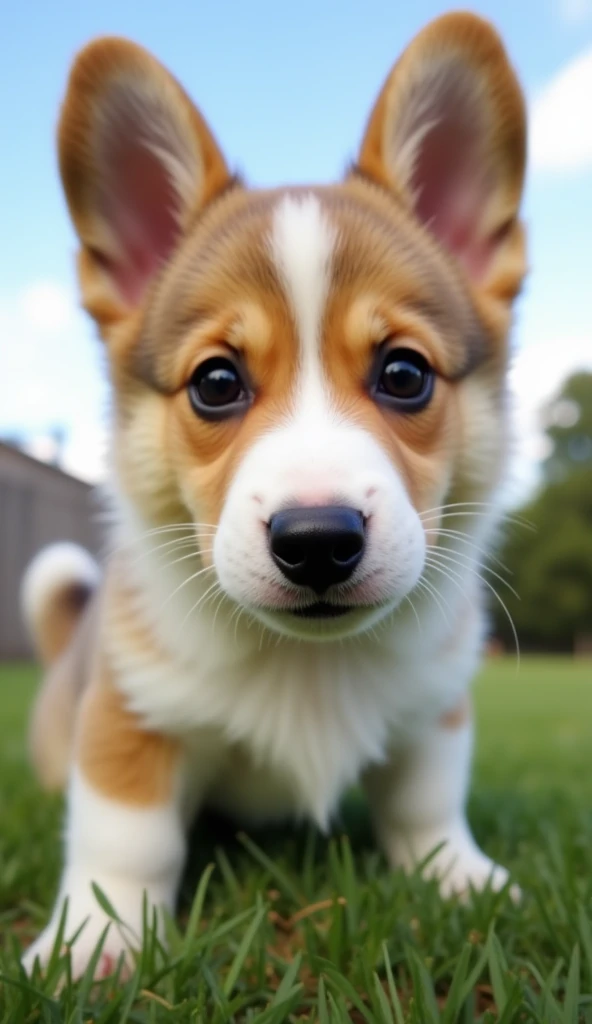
{"type": "Point", "coordinates": [310, 371]}
{"type": "Point", "coordinates": [309, 352]}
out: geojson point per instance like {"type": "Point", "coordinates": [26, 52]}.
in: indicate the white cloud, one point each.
{"type": "Point", "coordinates": [539, 368]}
{"type": "Point", "coordinates": [575, 11]}
{"type": "Point", "coordinates": [538, 371]}
{"type": "Point", "coordinates": [85, 453]}
{"type": "Point", "coordinates": [51, 376]}
{"type": "Point", "coordinates": [47, 307]}
{"type": "Point", "coordinates": [561, 120]}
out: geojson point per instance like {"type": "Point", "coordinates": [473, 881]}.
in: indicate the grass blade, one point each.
{"type": "Point", "coordinates": [197, 909]}
{"type": "Point", "coordinates": [385, 1007]}
{"type": "Point", "coordinates": [497, 967]}
{"type": "Point", "coordinates": [288, 980]}
{"type": "Point", "coordinates": [456, 993]}
{"type": "Point", "coordinates": [572, 989]}
{"type": "Point", "coordinates": [344, 987]}
{"type": "Point", "coordinates": [280, 877]}
{"type": "Point", "coordinates": [243, 951]}
{"type": "Point", "coordinates": [394, 995]}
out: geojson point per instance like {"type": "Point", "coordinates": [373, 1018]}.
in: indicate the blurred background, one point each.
{"type": "Point", "coordinates": [287, 89]}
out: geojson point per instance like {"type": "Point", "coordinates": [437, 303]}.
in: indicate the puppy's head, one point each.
{"type": "Point", "coordinates": [309, 371]}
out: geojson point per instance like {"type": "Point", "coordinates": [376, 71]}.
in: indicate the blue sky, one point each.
{"type": "Point", "coordinates": [287, 89]}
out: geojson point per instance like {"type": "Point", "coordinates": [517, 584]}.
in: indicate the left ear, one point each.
{"type": "Point", "coordinates": [138, 164]}
{"type": "Point", "coordinates": [448, 134]}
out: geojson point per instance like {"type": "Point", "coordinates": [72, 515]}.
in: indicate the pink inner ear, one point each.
{"type": "Point", "coordinates": [451, 190]}
{"type": "Point", "coordinates": [139, 204]}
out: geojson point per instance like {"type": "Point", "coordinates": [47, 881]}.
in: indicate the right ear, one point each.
{"type": "Point", "coordinates": [448, 136]}
{"type": "Point", "coordinates": [137, 162]}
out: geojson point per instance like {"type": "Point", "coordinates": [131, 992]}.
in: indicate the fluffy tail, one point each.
{"type": "Point", "coordinates": [54, 591]}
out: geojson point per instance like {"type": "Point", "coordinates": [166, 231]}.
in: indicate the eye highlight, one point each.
{"type": "Point", "coordinates": [217, 389]}
{"type": "Point", "coordinates": [403, 379]}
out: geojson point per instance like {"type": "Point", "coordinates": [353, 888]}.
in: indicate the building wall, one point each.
{"type": "Point", "coordinates": [39, 504]}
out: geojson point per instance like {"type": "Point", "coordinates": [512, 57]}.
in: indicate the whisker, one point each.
{"type": "Point", "coordinates": [176, 544]}
{"type": "Point", "coordinates": [171, 528]}
{"type": "Point", "coordinates": [452, 574]}
{"type": "Point", "coordinates": [192, 554]}
{"type": "Point", "coordinates": [446, 572]}
{"type": "Point", "coordinates": [469, 504]}
{"type": "Point", "coordinates": [215, 586]}
{"type": "Point", "coordinates": [236, 615]}
{"type": "Point", "coordinates": [132, 542]}
{"type": "Point", "coordinates": [414, 610]}
{"type": "Point", "coordinates": [194, 576]}
{"type": "Point", "coordinates": [459, 504]}
{"type": "Point", "coordinates": [509, 618]}
{"type": "Point", "coordinates": [192, 530]}
{"type": "Point", "coordinates": [373, 633]}
{"type": "Point", "coordinates": [455, 515]}
{"type": "Point", "coordinates": [218, 606]}
{"type": "Point", "coordinates": [437, 552]}
{"type": "Point", "coordinates": [466, 539]}
{"type": "Point", "coordinates": [424, 584]}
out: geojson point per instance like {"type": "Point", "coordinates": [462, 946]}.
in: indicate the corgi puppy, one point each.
{"type": "Point", "coordinates": [309, 431]}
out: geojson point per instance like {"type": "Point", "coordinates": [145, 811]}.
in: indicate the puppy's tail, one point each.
{"type": "Point", "coordinates": [55, 589]}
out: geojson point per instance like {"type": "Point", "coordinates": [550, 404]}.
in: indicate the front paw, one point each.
{"type": "Point", "coordinates": [87, 921]}
{"type": "Point", "coordinates": [470, 870]}
{"type": "Point", "coordinates": [115, 948]}
{"type": "Point", "coordinates": [454, 860]}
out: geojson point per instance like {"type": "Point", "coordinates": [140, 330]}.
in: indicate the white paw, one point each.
{"type": "Point", "coordinates": [471, 870]}
{"type": "Point", "coordinates": [86, 917]}
{"type": "Point", "coordinates": [114, 947]}
{"type": "Point", "coordinates": [454, 860]}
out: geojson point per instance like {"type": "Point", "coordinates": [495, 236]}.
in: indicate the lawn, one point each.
{"type": "Point", "coordinates": [288, 926]}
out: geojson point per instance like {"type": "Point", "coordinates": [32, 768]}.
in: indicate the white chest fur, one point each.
{"type": "Point", "coordinates": [293, 723]}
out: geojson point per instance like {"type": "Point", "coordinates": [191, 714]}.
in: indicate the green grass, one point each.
{"type": "Point", "coordinates": [252, 946]}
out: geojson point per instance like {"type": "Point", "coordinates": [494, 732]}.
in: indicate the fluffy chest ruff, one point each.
{"type": "Point", "coordinates": [288, 725]}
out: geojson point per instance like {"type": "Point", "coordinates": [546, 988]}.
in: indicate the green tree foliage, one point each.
{"type": "Point", "coordinates": [568, 422]}
{"type": "Point", "coordinates": [551, 559]}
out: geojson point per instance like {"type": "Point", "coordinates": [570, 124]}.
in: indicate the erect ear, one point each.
{"type": "Point", "coordinates": [448, 134]}
{"type": "Point", "coordinates": [137, 162]}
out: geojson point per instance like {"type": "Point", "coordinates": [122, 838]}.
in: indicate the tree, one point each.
{"type": "Point", "coordinates": [568, 422]}
{"type": "Point", "coordinates": [550, 557]}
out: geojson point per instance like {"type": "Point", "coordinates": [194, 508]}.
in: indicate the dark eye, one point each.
{"type": "Point", "coordinates": [217, 390]}
{"type": "Point", "coordinates": [404, 380]}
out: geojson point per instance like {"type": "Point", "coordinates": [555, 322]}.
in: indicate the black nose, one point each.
{"type": "Point", "coordinates": [316, 547]}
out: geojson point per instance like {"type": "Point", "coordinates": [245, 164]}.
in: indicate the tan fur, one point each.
{"type": "Point", "coordinates": [153, 354]}
{"type": "Point", "coordinates": [219, 289]}
{"type": "Point", "coordinates": [469, 41]}
{"type": "Point", "coordinates": [101, 70]}
{"type": "Point", "coordinates": [116, 754]}
{"type": "Point", "coordinates": [57, 624]}
{"type": "Point", "coordinates": [54, 713]}
{"type": "Point", "coordinates": [458, 716]}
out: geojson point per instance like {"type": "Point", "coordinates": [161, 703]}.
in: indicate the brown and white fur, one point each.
{"type": "Point", "coordinates": [189, 679]}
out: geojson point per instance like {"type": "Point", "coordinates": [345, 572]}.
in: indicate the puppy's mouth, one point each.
{"type": "Point", "coordinates": [321, 619]}
{"type": "Point", "coordinates": [322, 610]}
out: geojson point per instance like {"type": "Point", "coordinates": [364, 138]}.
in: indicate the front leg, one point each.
{"type": "Point", "coordinates": [418, 804]}
{"type": "Point", "coordinates": [124, 833]}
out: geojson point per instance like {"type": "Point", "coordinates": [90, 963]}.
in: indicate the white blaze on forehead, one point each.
{"type": "Point", "coordinates": [302, 243]}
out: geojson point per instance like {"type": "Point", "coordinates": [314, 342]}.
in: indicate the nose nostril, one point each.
{"type": "Point", "coordinates": [346, 550]}
{"type": "Point", "coordinates": [290, 552]}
